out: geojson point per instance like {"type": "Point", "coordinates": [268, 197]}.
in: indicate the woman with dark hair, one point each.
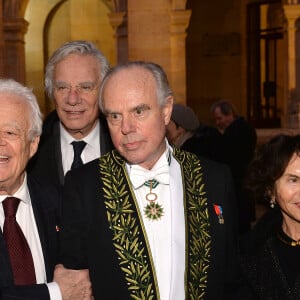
{"type": "Point", "coordinates": [270, 254]}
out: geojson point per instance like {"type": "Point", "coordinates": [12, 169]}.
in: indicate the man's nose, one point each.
{"type": "Point", "coordinates": [127, 124]}
{"type": "Point", "coordinates": [73, 97]}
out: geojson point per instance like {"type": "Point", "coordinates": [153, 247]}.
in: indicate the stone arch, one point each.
{"type": "Point", "coordinates": [46, 29]}
{"type": "Point", "coordinates": [48, 106]}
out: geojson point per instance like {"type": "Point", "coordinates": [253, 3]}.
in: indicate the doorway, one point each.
{"type": "Point", "coordinates": [264, 64]}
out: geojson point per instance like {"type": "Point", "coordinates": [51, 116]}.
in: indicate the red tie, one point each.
{"type": "Point", "coordinates": [19, 251]}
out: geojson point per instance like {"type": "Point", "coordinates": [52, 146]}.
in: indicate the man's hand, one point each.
{"type": "Point", "coordinates": [73, 284]}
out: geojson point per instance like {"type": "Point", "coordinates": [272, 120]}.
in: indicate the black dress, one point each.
{"type": "Point", "coordinates": [270, 268]}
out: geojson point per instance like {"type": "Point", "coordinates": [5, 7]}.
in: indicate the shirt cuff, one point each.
{"type": "Point", "coordinates": [54, 291]}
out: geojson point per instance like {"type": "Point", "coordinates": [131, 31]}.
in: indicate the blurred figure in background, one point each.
{"type": "Point", "coordinates": [186, 132]}
{"type": "Point", "coordinates": [238, 143]}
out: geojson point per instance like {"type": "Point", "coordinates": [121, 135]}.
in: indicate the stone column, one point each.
{"type": "Point", "coordinates": [118, 21]}
{"type": "Point", "coordinates": [148, 31]}
{"type": "Point", "coordinates": [292, 13]}
{"type": "Point", "coordinates": [178, 24]}
{"type": "Point", "coordinates": [14, 54]}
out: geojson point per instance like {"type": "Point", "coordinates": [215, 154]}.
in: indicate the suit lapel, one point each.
{"type": "Point", "coordinates": [128, 232]}
{"type": "Point", "coordinates": [104, 138]}
{"type": "Point", "coordinates": [57, 153]}
{"type": "Point", "coordinates": [37, 197]}
{"type": "Point", "coordinates": [198, 238]}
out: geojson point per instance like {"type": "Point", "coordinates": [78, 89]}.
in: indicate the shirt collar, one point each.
{"type": "Point", "coordinates": [90, 139]}
{"type": "Point", "coordinates": [138, 175]}
{"type": "Point", "coordinates": [22, 193]}
{"type": "Point", "coordinates": [166, 156]}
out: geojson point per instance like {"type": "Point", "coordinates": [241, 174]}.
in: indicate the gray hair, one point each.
{"type": "Point", "coordinates": [13, 87]}
{"type": "Point", "coordinates": [163, 89]}
{"type": "Point", "coordinates": [77, 47]}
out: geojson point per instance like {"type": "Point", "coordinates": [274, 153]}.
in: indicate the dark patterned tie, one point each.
{"type": "Point", "coordinates": [19, 251]}
{"type": "Point", "coordinates": [78, 148]}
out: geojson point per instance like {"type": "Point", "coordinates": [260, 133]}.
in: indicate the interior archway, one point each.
{"type": "Point", "coordinates": [53, 22]}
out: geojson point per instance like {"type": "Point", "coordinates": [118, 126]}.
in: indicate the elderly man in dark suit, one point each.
{"type": "Point", "coordinates": [29, 210]}
{"type": "Point", "coordinates": [75, 132]}
{"type": "Point", "coordinates": [149, 220]}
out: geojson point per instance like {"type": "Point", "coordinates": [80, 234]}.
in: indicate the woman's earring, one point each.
{"type": "Point", "coordinates": [272, 203]}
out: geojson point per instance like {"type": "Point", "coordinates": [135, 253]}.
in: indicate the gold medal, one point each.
{"type": "Point", "coordinates": [153, 211]}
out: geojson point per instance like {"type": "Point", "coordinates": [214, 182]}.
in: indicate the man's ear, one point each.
{"type": "Point", "coordinates": [34, 145]}
{"type": "Point", "coordinates": [167, 109]}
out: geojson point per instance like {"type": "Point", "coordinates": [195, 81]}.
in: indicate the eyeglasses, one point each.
{"type": "Point", "coordinates": [83, 88]}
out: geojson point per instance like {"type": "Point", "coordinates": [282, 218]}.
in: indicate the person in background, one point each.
{"type": "Point", "coordinates": [30, 209]}
{"type": "Point", "coordinates": [186, 132]}
{"type": "Point", "coordinates": [75, 132]}
{"type": "Point", "coordinates": [237, 147]}
{"type": "Point", "coordinates": [149, 220]}
{"type": "Point", "coordinates": [269, 254]}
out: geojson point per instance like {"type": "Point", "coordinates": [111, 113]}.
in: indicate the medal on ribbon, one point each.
{"type": "Point", "coordinates": [152, 210]}
{"type": "Point", "coordinates": [219, 213]}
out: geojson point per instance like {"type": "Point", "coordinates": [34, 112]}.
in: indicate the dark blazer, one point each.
{"type": "Point", "coordinates": [46, 202]}
{"type": "Point", "coordinates": [47, 162]}
{"type": "Point", "coordinates": [205, 142]}
{"type": "Point", "coordinates": [98, 203]}
{"type": "Point", "coordinates": [236, 150]}
{"type": "Point", "coordinates": [238, 146]}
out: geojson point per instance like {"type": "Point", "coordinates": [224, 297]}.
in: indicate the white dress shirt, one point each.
{"type": "Point", "coordinates": [90, 152]}
{"type": "Point", "coordinates": [26, 221]}
{"type": "Point", "coordinates": [166, 236]}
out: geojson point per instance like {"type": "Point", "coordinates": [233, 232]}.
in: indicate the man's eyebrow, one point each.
{"type": "Point", "coordinates": [140, 106]}
{"type": "Point", "coordinates": [108, 111]}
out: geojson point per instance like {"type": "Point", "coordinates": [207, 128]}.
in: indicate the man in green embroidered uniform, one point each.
{"type": "Point", "coordinates": [148, 220]}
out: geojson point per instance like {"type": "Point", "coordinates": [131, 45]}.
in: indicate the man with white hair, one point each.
{"type": "Point", "coordinates": [29, 210]}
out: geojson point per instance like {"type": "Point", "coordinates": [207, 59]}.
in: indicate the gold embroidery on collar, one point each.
{"type": "Point", "coordinates": [126, 229]}
{"type": "Point", "coordinates": [197, 233]}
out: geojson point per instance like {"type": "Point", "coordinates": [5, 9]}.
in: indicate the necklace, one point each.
{"type": "Point", "coordinates": [287, 240]}
{"type": "Point", "coordinates": [153, 210]}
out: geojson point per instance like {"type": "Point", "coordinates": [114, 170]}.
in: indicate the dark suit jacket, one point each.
{"type": "Point", "coordinates": [238, 146]}
{"type": "Point", "coordinates": [47, 162]}
{"type": "Point", "coordinates": [236, 150]}
{"type": "Point", "coordinates": [204, 142]}
{"type": "Point", "coordinates": [46, 201]}
{"type": "Point", "coordinates": [102, 230]}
